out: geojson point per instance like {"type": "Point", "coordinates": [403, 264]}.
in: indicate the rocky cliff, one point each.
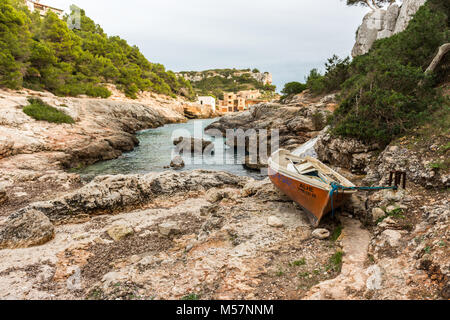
{"type": "Point", "coordinates": [383, 23]}
{"type": "Point", "coordinates": [298, 120]}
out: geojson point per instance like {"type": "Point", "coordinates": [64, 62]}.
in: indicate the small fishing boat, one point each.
{"type": "Point", "coordinates": [310, 183]}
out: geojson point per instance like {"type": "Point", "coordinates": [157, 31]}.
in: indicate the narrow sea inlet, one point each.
{"type": "Point", "coordinates": [156, 149]}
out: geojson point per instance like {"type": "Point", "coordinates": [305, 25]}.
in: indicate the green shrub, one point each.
{"type": "Point", "coordinates": [292, 88]}
{"type": "Point", "coordinates": [335, 262]}
{"type": "Point", "coordinates": [191, 296]}
{"type": "Point", "coordinates": [315, 82]}
{"type": "Point", "coordinates": [298, 263]}
{"type": "Point", "coordinates": [318, 120]}
{"type": "Point", "coordinates": [386, 91]}
{"type": "Point", "coordinates": [97, 91]}
{"type": "Point", "coordinates": [336, 72]}
{"type": "Point", "coordinates": [39, 110]}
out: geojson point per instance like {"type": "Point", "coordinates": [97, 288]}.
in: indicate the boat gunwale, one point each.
{"type": "Point", "coordinates": [305, 179]}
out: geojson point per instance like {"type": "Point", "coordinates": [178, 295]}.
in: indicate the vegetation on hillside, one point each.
{"type": "Point", "coordinates": [39, 110]}
{"type": "Point", "coordinates": [386, 92]}
{"type": "Point", "coordinates": [217, 81]}
{"type": "Point", "coordinates": [43, 53]}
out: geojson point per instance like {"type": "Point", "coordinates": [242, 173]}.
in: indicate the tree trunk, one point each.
{"type": "Point", "coordinates": [437, 59]}
{"type": "Point", "coordinates": [369, 5]}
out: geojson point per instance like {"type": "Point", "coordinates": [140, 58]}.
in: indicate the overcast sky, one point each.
{"type": "Point", "coordinates": [284, 37]}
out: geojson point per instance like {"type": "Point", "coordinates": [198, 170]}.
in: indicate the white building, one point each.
{"type": "Point", "coordinates": [208, 101]}
{"type": "Point", "coordinates": [35, 5]}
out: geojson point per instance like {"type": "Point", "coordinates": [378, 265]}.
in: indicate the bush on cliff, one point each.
{"type": "Point", "coordinates": [43, 53]}
{"type": "Point", "coordinates": [387, 91]}
{"type": "Point", "coordinates": [336, 72]}
{"type": "Point", "coordinates": [39, 110]}
{"type": "Point", "coordinates": [292, 88]}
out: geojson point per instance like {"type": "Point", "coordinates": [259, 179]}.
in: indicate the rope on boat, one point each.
{"type": "Point", "coordinates": [335, 187]}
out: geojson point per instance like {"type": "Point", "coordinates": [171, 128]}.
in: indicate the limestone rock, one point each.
{"type": "Point", "coordinates": [381, 23]}
{"type": "Point", "coordinates": [193, 145]}
{"type": "Point", "coordinates": [114, 277]}
{"type": "Point", "coordinates": [372, 24]}
{"type": "Point", "coordinates": [168, 228]}
{"type": "Point", "coordinates": [407, 11]}
{"type": "Point", "coordinates": [391, 236]}
{"type": "Point", "coordinates": [215, 195]}
{"type": "Point", "coordinates": [255, 163]}
{"type": "Point", "coordinates": [275, 222]}
{"type": "Point", "coordinates": [116, 192]}
{"type": "Point", "coordinates": [388, 223]}
{"type": "Point", "coordinates": [119, 232]}
{"type": "Point", "coordinates": [395, 158]}
{"type": "Point", "coordinates": [321, 234]}
{"type": "Point", "coordinates": [253, 186]}
{"type": "Point", "coordinates": [265, 190]}
{"type": "Point", "coordinates": [377, 213]}
{"type": "Point", "coordinates": [27, 229]}
{"type": "Point", "coordinates": [105, 128]}
{"type": "Point", "coordinates": [295, 122]}
{"type": "Point", "coordinates": [6, 148]}
{"type": "Point", "coordinates": [344, 152]}
{"type": "Point", "coordinates": [177, 162]}
{"type": "Point", "coordinates": [391, 17]}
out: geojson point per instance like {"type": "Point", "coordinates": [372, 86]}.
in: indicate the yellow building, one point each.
{"type": "Point", "coordinates": [235, 102]}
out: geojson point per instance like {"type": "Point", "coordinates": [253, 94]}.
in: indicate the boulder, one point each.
{"type": "Point", "coordinates": [168, 228]}
{"type": "Point", "coordinates": [177, 162]}
{"type": "Point", "coordinates": [345, 152]}
{"type": "Point", "coordinates": [275, 222]}
{"type": "Point", "coordinates": [193, 145]}
{"type": "Point", "coordinates": [321, 234]}
{"type": "Point", "coordinates": [254, 163]}
{"type": "Point", "coordinates": [215, 195]}
{"type": "Point", "coordinates": [377, 213]}
{"type": "Point", "coordinates": [391, 236]}
{"type": "Point", "coordinates": [26, 229]}
{"type": "Point", "coordinates": [119, 232]}
{"type": "Point", "coordinates": [264, 190]}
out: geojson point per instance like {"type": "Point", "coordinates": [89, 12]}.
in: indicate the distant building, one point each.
{"type": "Point", "coordinates": [235, 102]}
{"type": "Point", "coordinates": [42, 8]}
{"type": "Point", "coordinates": [207, 101]}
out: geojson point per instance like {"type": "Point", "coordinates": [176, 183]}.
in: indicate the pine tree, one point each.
{"type": "Point", "coordinates": [373, 4]}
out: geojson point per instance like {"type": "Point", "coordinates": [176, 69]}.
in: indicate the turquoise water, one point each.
{"type": "Point", "coordinates": [156, 149]}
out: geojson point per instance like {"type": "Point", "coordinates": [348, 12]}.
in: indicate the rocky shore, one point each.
{"type": "Point", "coordinates": [35, 156]}
{"type": "Point", "coordinates": [210, 234]}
